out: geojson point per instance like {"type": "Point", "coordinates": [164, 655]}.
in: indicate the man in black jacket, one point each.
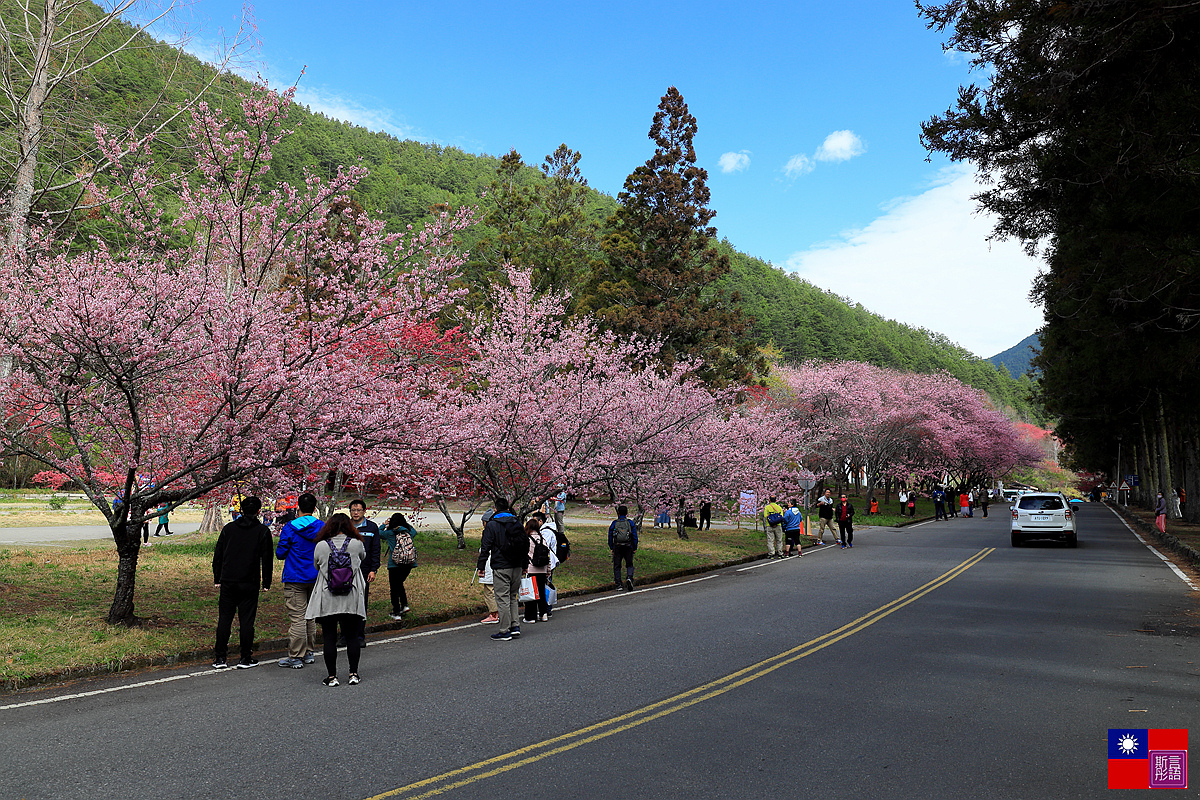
{"type": "Point", "coordinates": [844, 511]}
{"type": "Point", "coordinates": [242, 558]}
{"type": "Point", "coordinates": [505, 541]}
{"type": "Point", "coordinates": [370, 565]}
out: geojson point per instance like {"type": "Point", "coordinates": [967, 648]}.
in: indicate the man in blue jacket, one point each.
{"type": "Point", "coordinates": [295, 550]}
{"type": "Point", "coordinates": [623, 541]}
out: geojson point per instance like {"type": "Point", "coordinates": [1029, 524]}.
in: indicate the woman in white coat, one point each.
{"type": "Point", "coordinates": [347, 609]}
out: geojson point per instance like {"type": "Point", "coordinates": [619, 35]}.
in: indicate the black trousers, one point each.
{"type": "Point", "coordinates": [539, 606]}
{"type": "Point", "coordinates": [396, 577]}
{"type": "Point", "coordinates": [847, 529]}
{"type": "Point", "coordinates": [351, 624]}
{"type": "Point", "coordinates": [622, 553]}
{"type": "Point", "coordinates": [705, 520]}
{"type": "Point", "coordinates": [242, 599]}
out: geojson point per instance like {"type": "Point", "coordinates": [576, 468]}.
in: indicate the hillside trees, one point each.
{"type": "Point", "coordinates": [661, 264]}
{"type": "Point", "coordinates": [1089, 126]}
{"type": "Point", "coordinates": [53, 53]}
{"type": "Point", "coordinates": [173, 358]}
{"type": "Point", "coordinates": [537, 222]}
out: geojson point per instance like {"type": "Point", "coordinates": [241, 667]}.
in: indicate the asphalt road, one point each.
{"type": "Point", "coordinates": [935, 661]}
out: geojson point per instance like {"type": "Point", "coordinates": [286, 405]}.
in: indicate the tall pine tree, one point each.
{"type": "Point", "coordinates": [660, 267]}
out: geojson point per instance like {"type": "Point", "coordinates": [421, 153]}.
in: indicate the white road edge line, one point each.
{"type": "Point", "coordinates": [392, 640]}
{"type": "Point", "coordinates": [1182, 575]}
{"type": "Point", "coordinates": [770, 563]}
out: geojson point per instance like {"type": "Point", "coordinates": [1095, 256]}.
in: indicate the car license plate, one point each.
{"type": "Point", "coordinates": [1040, 518]}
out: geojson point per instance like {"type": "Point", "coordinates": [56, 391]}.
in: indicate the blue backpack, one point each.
{"type": "Point", "coordinates": [341, 569]}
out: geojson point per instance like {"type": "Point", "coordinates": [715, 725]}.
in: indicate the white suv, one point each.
{"type": "Point", "coordinates": [1043, 515]}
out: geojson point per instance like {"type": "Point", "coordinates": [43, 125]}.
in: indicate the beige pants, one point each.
{"type": "Point", "coordinates": [826, 523]}
{"type": "Point", "coordinates": [489, 596]}
{"type": "Point", "coordinates": [302, 632]}
{"type": "Point", "coordinates": [774, 539]}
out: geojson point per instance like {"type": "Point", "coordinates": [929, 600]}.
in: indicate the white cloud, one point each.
{"type": "Point", "coordinates": [734, 162]}
{"type": "Point", "coordinates": [840, 146]}
{"type": "Point", "coordinates": [926, 262]}
{"type": "Point", "coordinates": [337, 107]}
{"type": "Point", "coordinates": [798, 165]}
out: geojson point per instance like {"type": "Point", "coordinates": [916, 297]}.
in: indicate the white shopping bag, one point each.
{"type": "Point", "coordinates": [528, 590]}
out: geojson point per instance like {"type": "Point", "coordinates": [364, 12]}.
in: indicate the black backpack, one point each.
{"type": "Point", "coordinates": [622, 532]}
{"type": "Point", "coordinates": [562, 547]}
{"type": "Point", "coordinates": [515, 547]}
{"type": "Point", "coordinates": [541, 553]}
{"type": "Point", "coordinates": [341, 569]}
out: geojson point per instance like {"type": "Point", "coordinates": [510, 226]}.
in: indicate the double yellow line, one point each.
{"type": "Point", "coordinates": [463, 776]}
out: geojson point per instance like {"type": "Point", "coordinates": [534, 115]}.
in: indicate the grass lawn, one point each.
{"type": "Point", "coordinates": [53, 600]}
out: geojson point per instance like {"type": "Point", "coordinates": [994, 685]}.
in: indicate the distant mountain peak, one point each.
{"type": "Point", "coordinates": [1016, 358]}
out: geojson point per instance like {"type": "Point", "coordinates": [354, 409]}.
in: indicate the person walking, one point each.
{"type": "Point", "coordinates": [241, 565]}
{"type": "Point", "coordinates": [912, 503]}
{"type": "Point", "coordinates": [505, 542]}
{"type": "Point", "coordinates": [772, 515]}
{"type": "Point", "coordinates": [985, 498]}
{"type": "Point", "coordinates": [964, 503]}
{"type": "Point", "coordinates": [369, 532]}
{"type": "Point", "coordinates": [338, 599]}
{"type": "Point", "coordinates": [902, 496]}
{"type": "Point", "coordinates": [825, 505]}
{"type": "Point", "coordinates": [623, 542]}
{"type": "Point", "coordinates": [401, 556]}
{"type": "Point", "coordinates": [541, 561]}
{"type": "Point", "coordinates": [845, 517]}
{"type": "Point", "coordinates": [705, 515]}
{"type": "Point", "coordinates": [295, 550]}
{"type": "Point", "coordinates": [164, 522]}
{"type": "Point", "coordinates": [793, 522]}
{"type": "Point", "coordinates": [1160, 513]}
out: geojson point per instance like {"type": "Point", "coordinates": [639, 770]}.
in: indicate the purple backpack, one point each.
{"type": "Point", "coordinates": [341, 569]}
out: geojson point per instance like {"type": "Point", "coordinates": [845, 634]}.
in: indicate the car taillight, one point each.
{"type": "Point", "coordinates": [1014, 512]}
{"type": "Point", "coordinates": [1068, 513]}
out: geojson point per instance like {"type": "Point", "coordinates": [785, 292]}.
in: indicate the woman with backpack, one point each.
{"type": "Point", "coordinates": [338, 597]}
{"type": "Point", "coordinates": [398, 536]}
{"type": "Point", "coordinates": [541, 561]}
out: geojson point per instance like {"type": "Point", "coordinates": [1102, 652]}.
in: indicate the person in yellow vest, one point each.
{"type": "Point", "coordinates": [773, 522]}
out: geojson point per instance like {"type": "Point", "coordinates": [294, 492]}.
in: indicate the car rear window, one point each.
{"type": "Point", "coordinates": [1040, 503]}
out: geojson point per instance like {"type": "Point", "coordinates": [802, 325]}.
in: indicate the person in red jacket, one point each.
{"type": "Point", "coordinates": [843, 512]}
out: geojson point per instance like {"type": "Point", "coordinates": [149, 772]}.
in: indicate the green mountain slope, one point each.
{"type": "Point", "coordinates": [409, 179]}
{"type": "Point", "coordinates": [1017, 359]}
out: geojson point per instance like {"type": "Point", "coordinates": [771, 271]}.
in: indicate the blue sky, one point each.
{"type": "Point", "coordinates": [808, 116]}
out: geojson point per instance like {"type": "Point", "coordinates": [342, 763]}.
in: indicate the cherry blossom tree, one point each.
{"type": "Point", "coordinates": [890, 424]}
{"type": "Point", "coordinates": [222, 337]}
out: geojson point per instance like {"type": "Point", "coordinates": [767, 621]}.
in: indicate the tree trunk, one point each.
{"type": "Point", "coordinates": [1149, 458]}
{"type": "Point", "coordinates": [128, 539]}
{"type": "Point", "coordinates": [1166, 483]}
{"type": "Point", "coordinates": [1191, 473]}
{"type": "Point", "coordinates": [211, 522]}
{"type": "Point", "coordinates": [29, 132]}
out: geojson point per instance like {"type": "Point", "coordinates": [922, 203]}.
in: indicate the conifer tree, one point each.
{"type": "Point", "coordinates": [661, 266]}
